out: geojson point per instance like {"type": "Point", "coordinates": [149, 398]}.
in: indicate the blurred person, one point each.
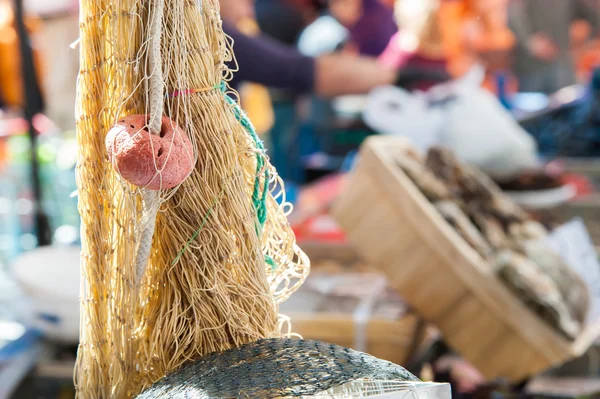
{"type": "Point", "coordinates": [456, 37]}
{"type": "Point", "coordinates": [280, 20]}
{"type": "Point", "coordinates": [587, 58]}
{"type": "Point", "coordinates": [586, 47]}
{"type": "Point", "coordinates": [474, 28]}
{"type": "Point", "coordinates": [489, 41]}
{"type": "Point", "coordinates": [355, 26]}
{"type": "Point", "coordinates": [418, 44]}
{"type": "Point", "coordinates": [52, 27]}
{"type": "Point", "coordinates": [455, 34]}
{"type": "Point", "coordinates": [268, 62]}
{"type": "Point", "coordinates": [477, 32]}
{"type": "Point", "coordinates": [263, 60]}
{"type": "Point", "coordinates": [543, 58]}
{"type": "Point", "coordinates": [233, 11]}
{"type": "Point", "coordinates": [370, 23]}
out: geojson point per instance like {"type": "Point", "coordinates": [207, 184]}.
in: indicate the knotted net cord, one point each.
{"type": "Point", "coordinates": [219, 263]}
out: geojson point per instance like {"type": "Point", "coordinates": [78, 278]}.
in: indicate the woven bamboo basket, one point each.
{"type": "Point", "coordinates": [396, 229]}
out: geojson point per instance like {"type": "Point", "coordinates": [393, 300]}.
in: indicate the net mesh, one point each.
{"type": "Point", "coordinates": [284, 368]}
{"type": "Point", "coordinates": [222, 255]}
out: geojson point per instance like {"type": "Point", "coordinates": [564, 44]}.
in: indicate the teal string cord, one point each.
{"type": "Point", "coordinates": [259, 198]}
{"type": "Point", "coordinates": [269, 261]}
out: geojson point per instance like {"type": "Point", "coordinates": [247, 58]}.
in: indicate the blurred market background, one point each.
{"type": "Point", "coordinates": [511, 86]}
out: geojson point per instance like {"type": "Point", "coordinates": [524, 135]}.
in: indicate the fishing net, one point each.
{"type": "Point", "coordinates": [171, 275]}
{"type": "Point", "coordinates": [283, 368]}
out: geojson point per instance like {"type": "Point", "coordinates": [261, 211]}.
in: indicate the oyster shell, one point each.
{"type": "Point", "coordinates": [472, 185]}
{"type": "Point", "coordinates": [463, 225]}
{"type": "Point", "coordinates": [526, 279]}
{"type": "Point", "coordinates": [432, 187]}
{"type": "Point", "coordinates": [571, 286]}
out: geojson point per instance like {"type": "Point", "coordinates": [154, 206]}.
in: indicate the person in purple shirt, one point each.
{"type": "Point", "coordinates": [265, 61]}
{"type": "Point", "coordinates": [371, 26]}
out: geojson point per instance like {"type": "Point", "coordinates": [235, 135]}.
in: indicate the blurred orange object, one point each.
{"type": "Point", "coordinates": [476, 31]}
{"type": "Point", "coordinates": [463, 32]}
{"type": "Point", "coordinates": [587, 59]}
{"type": "Point", "coordinates": [255, 99]}
{"type": "Point", "coordinates": [585, 52]}
{"type": "Point", "coordinates": [580, 32]}
{"type": "Point", "coordinates": [11, 81]}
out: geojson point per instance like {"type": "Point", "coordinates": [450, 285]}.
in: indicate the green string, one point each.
{"type": "Point", "coordinates": [269, 261]}
{"type": "Point", "coordinates": [204, 220]}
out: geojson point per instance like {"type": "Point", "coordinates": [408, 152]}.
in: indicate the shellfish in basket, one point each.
{"type": "Point", "coordinates": [501, 232]}
{"type": "Point", "coordinates": [488, 306]}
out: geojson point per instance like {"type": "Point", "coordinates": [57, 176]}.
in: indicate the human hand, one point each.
{"type": "Point", "coordinates": [542, 47]}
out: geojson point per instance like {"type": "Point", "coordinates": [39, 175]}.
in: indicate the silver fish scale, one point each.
{"type": "Point", "coordinates": [274, 368]}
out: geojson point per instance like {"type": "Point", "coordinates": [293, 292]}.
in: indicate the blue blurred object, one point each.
{"type": "Point", "coordinates": [15, 339]}
{"type": "Point", "coordinates": [502, 87]}
{"type": "Point", "coordinates": [57, 155]}
{"type": "Point", "coordinates": [291, 192]}
{"type": "Point", "coordinates": [570, 125]}
{"type": "Point", "coordinates": [281, 137]}
{"type": "Point", "coordinates": [529, 102]}
{"type": "Point", "coordinates": [324, 35]}
{"type": "Point", "coordinates": [349, 161]}
{"type": "Point", "coordinates": [20, 350]}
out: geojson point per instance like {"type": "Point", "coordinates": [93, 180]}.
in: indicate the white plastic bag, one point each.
{"type": "Point", "coordinates": [484, 134]}
{"type": "Point", "coordinates": [420, 116]}
{"type": "Point", "coordinates": [458, 115]}
{"type": "Point", "coordinates": [392, 110]}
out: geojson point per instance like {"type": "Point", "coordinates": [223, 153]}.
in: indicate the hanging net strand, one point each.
{"type": "Point", "coordinates": [222, 254]}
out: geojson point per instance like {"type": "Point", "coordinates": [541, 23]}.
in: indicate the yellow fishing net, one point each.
{"type": "Point", "coordinates": [222, 254]}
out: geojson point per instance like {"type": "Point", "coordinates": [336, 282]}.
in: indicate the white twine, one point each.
{"type": "Point", "coordinates": [149, 223]}
{"type": "Point", "coordinates": [154, 124]}
{"type": "Point", "coordinates": [155, 63]}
